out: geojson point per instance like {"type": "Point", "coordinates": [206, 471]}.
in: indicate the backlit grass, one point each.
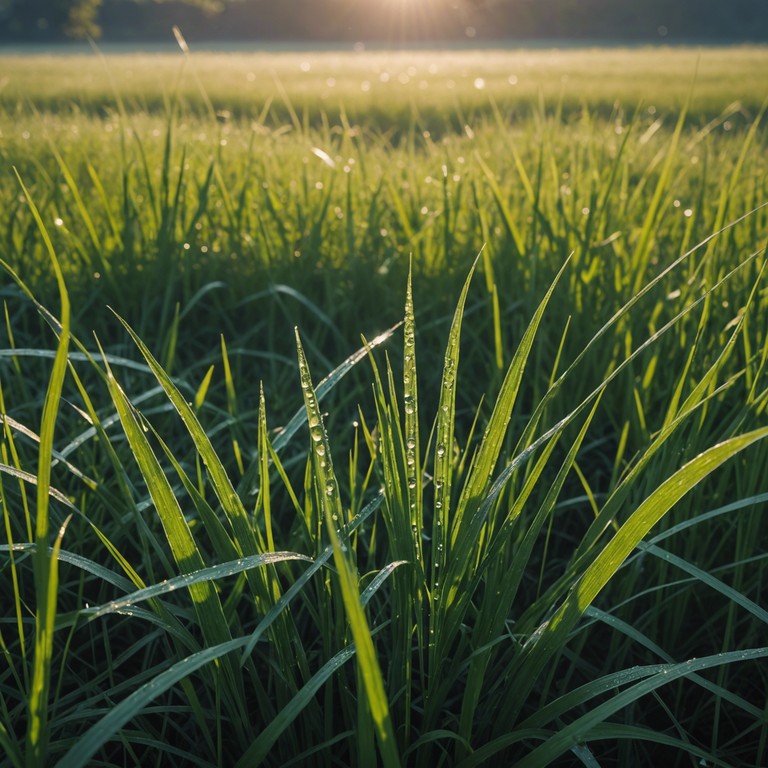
{"type": "Point", "coordinates": [521, 521]}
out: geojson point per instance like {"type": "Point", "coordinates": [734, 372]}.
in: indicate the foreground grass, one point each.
{"type": "Point", "coordinates": [542, 535]}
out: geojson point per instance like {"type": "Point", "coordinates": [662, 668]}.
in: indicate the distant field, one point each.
{"type": "Point", "coordinates": [543, 536]}
{"type": "Point", "coordinates": [385, 88]}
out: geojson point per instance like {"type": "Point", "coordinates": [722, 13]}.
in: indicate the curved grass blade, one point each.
{"type": "Point", "coordinates": [618, 732]}
{"type": "Point", "coordinates": [260, 748]}
{"type": "Point", "coordinates": [207, 605]}
{"type": "Point", "coordinates": [225, 492]}
{"type": "Point", "coordinates": [200, 576]}
{"type": "Point", "coordinates": [432, 737]}
{"type": "Point", "coordinates": [580, 730]}
{"type": "Point", "coordinates": [643, 640]}
{"type": "Point", "coordinates": [89, 566]}
{"type": "Point", "coordinates": [304, 758]}
{"type": "Point", "coordinates": [378, 580]}
{"type": "Point", "coordinates": [104, 730]}
{"type": "Point", "coordinates": [551, 636]}
{"type": "Point", "coordinates": [708, 579]}
{"type": "Point", "coordinates": [583, 728]}
{"type": "Point", "coordinates": [28, 477]}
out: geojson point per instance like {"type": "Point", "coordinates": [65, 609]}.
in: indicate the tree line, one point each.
{"type": "Point", "coordinates": [384, 21]}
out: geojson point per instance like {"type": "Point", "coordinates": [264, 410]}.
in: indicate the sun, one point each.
{"type": "Point", "coordinates": [412, 19]}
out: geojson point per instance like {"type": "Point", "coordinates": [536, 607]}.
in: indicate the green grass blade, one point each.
{"type": "Point", "coordinates": [643, 640]}
{"type": "Point", "coordinates": [328, 492]}
{"type": "Point", "coordinates": [552, 636]}
{"type": "Point", "coordinates": [177, 532]}
{"type": "Point", "coordinates": [580, 730]}
{"type": "Point", "coordinates": [616, 732]}
{"type": "Point", "coordinates": [500, 199]}
{"type": "Point", "coordinates": [265, 495]}
{"type": "Point", "coordinates": [11, 748]}
{"type": "Point", "coordinates": [201, 576]}
{"type": "Point", "coordinates": [466, 527]}
{"type": "Point", "coordinates": [378, 580]}
{"type": "Point", "coordinates": [46, 565]}
{"type": "Point", "coordinates": [207, 604]}
{"type": "Point", "coordinates": [259, 750]}
{"type": "Point", "coordinates": [121, 714]}
{"type": "Point", "coordinates": [323, 388]}
{"type": "Point", "coordinates": [225, 492]}
{"type": "Point", "coordinates": [642, 249]}
{"type": "Point", "coordinates": [411, 409]}
{"type": "Point", "coordinates": [299, 583]}
{"type": "Point", "coordinates": [708, 579]}
{"type": "Point", "coordinates": [444, 437]}
{"type": "Point", "coordinates": [71, 558]}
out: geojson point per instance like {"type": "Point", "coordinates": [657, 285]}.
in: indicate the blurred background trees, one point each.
{"type": "Point", "coordinates": [386, 21]}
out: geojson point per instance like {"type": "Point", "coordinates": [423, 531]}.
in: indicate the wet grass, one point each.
{"type": "Point", "coordinates": [527, 524]}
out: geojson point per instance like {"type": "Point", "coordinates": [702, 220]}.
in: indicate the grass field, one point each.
{"type": "Point", "coordinates": [541, 538]}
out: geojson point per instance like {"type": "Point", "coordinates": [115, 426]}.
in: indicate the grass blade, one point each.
{"type": "Point", "coordinates": [328, 492]}
{"type": "Point", "coordinates": [121, 714]}
{"type": "Point", "coordinates": [552, 635]}
{"type": "Point", "coordinates": [46, 564]}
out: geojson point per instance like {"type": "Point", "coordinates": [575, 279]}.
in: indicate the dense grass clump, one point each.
{"type": "Point", "coordinates": [521, 522]}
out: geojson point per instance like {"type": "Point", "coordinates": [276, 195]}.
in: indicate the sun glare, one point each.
{"type": "Point", "coordinates": [411, 19]}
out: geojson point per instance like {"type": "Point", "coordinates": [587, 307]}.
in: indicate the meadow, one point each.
{"type": "Point", "coordinates": [384, 408]}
